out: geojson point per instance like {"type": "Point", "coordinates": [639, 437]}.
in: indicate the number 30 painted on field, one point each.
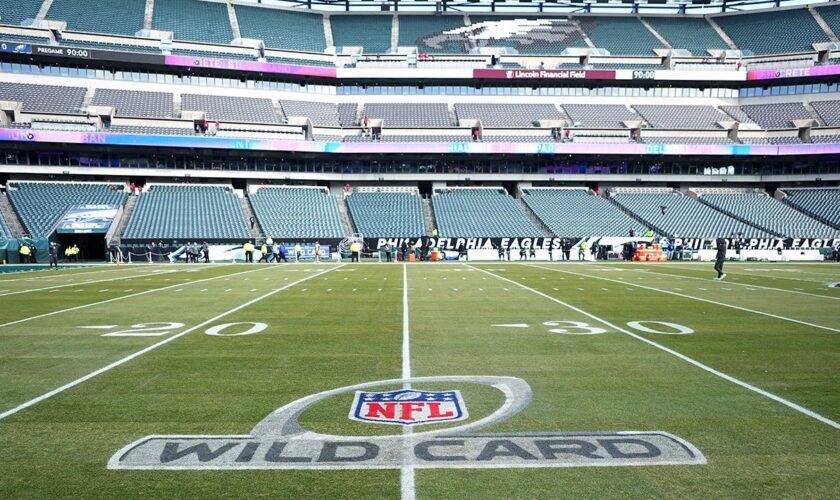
{"type": "Point", "coordinates": [218, 329]}
{"type": "Point", "coordinates": [586, 329]}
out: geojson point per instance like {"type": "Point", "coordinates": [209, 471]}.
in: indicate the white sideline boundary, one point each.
{"type": "Point", "coordinates": [691, 297]}
{"type": "Point", "coordinates": [407, 486]}
{"type": "Point", "coordinates": [698, 364]}
{"type": "Point", "coordinates": [152, 347]}
{"type": "Point", "coordinates": [759, 274]}
{"type": "Point", "coordinates": [738, 284]}
{"type": "Point", "coordinates": [82, 283]}
{"type": "Point", "coordinates": [45, 274]}
{"type": "Point", "coordinates": [107, 301]}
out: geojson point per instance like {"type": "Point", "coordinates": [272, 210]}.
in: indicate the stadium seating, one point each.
{"type": "Point", "coordinates": [829, 111]}
{"type": "Point", "coordinates": [387, 214]}
{"type": "Point", "coordinates": [44, 98]}
{"type": "Point", "coordinates": [822, 202]}
{"type": "Point", "coordinates": [409, 114]}
{"type": "Point", "coordinates": [423, 31]}
{"type": "Point", "coordinates": [118, 47]}
{"type": "Point", "coordinates": [204, 22]}
{"type": "Point", "coordinates": [507, 115]}
{"type": "Point", "coordinates": [296, 213]}
{"type": "Point", "coordinates": [761, 32]}
{"type": "Point", "coordinates": [490, 137]}
{"type": "Point", "coordinates": [187, 212]}
{"type": "Point", "coordinates": [689, 33]}
{"type": "Point", "coordinates": [772, 140]}
{"type": "Point", "coordinates": [480, 213]}
{"type": "Point", "coordinates": [300, 31]}
{"type": "Point", "coordinates": [347, 112]}
{"type": "Point", "coordinates": [371, 32]}
{"type": "Point", "coordinates": [121, 17]}
{"type": "Point", "coordinates": [231, 109]}
{"type": "Point", "coordinates": [600, 115]}
{"type": "Point", "coordinates": [737, 114]}
{"type": "Point", "coordinates": [138, 129]}
{"type": "Point", "coordinates": [770, 213]}
{"type": "Point", "coordinates": [620, 35]}
{"type": "Point", "coordinates": [134, 103]}
{"type": "Point", "coordinates": [14, 13]}
{"type": "Point", "coordinates": [322, 114]}
{"type": "Point", "coordinates": [686, 140]}
{"type": "Point", "coordinates": [38, 40]}
{"type": "Point", "coordinates": [5, 232]}
{"type": "Point", "coordinates": [681, 117]}
{"type": "Point", "coordinates": [213, 54]}
{"type": "Point", "coordinates": [41, 205]}
{"type": "Point", "coordinates": [684, 216]}
{"type": "Point", "coordinates": [297, 61]}
{"type": "Point", "coordinates": [774, 116]}
{"type": "Point", "coordinates": [527, 35]}
{"type": "Point", "coordinates": [831, 15]}
{"type": "Point", "coordinates": [578, 213]}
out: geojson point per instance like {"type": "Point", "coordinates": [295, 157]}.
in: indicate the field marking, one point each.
{"type": "Point", "coordinates": [698, 364]}
{"type": "Point", "coordinates": [88, 282]}
{"type": "Point", "coordinates": [83, 306]}
{"type": "Point", "coordinates": [752, 274]}
{"type": "Point", "coordinates": [407, 483]}
{"type": "Point", "coordinates": [61, 275]}
{"type": "Point", "coordinates": [152, 347]}
{"type": "Point", "coordinates": [699, 299]}
{"type": "Point", "coordinates": [796, 291]}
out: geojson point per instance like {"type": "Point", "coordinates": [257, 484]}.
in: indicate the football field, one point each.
{"type": "Point", "coordinates": [444, 380]}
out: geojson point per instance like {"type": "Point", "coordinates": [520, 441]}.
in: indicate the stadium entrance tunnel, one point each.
{"type": "Point", "coordinates": [91, 245]}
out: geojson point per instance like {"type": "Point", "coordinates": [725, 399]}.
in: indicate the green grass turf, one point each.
{"type": "Point", "coordinates": [345, 327]}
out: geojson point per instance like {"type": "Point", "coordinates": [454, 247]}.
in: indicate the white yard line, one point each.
{"type": "Point", "coordinates": [407, 487]}
{"type": "Point", "coordinates": [144, 275]}
{"type": "Point", "coordinates": [741, 284]}
{"type": "Point", "coordinates": [152, 347]}
{"type": "Point", "coordinates": [698, 364]}
{"type": "Point", "coordinates": [47, 275]}
{"type": "Point", "coordinates": [699, 299]}
{"type": "Point", "coordinates": [828, 279]}
{"type": "Point", "coordinates": [83, 306]}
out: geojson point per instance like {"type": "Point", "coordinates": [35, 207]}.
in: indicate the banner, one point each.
{"type": "Point", "coordinates": [544, 74]}
{"type": "Point", "coordinates": [19, 48]}
{"type": "Point", "coordinates": [88, 219]}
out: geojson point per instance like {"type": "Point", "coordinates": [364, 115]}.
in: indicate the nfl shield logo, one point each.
{"type": "Point", "coordinates": [408, 407]}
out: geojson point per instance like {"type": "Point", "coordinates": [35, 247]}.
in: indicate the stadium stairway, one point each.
{"type": "Point", "coordinates": [248, 210]}
{"type": "Point", "coordinates": [429, 215]}
{"type": "Point", "coordinates": [531, 215]}
{"type": "Point", "coordinates": [634, 216]}
{"type": "Point", "coordinates": [344, 212]}
{"type": "Point", "coordinates": [10, 216]}
{"type": "Point", "coordinates": [740, 219]}
{"type": "Point", "coordinates": [784, 199]}
{"type": "Point", "coordinates": [128, 209]}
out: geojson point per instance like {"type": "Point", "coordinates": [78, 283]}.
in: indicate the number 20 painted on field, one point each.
{"type": "Point", "coordinates": [581, 328]}
{"type": "Point", "coordinates": [163, 328]}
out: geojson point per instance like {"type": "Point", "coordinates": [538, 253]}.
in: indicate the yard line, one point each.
{"type": "Point", "coordinates": [85, 283]}
{"type": "Point", "coordinates": [758, 275]}
{"type": "Point", "coordinates": [83, 306]}
{"type": "Point", "coordinates": [796, 291]}
{"type": "Point", "coordinates": [698, 364]}
{"type": "Point", "coordinates": [407, 487]}
{"type": "Point", "coordinates": [152, 347]}
{"type": "Point", "coordinates": [699, 299]}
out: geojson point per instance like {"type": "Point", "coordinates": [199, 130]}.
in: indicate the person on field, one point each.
{"type": "Point", "coordinates": [24, 253]}
{"type": "Point", "coordinates": [317, 252]}
{"type": "Point", "coordinates": [54, 255]}
{"type": "Point", "coordinates": [720, 258]}
{"type": "Point", "coordinates": [249, 249]}
{"type": "Point", "coordinates": [205, 249]}
{"type": "Point", "coordinates": [567, 249]}
{"type": "Point", "coordinates": [355, 250]}
{"type": "Point", "coordinates": [264, 253]}
{"type": "Point", "coordinates": [523, 253]}
{"type": "Point", "coordinates": [389, 250]}
{"type": "Point", "coordinates": [281, 253]}
{"type": "Point", "coordinates": [532, 253]}
{"type": "Point", "coordinates": [582, 251]}
{"type": "Point", "coordinates": [298, 252]}
{"type": "Point", "coordinates": [501, 252]}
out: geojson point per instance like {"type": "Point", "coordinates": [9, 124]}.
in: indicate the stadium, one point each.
{"type": "Point", "coordinates": [419, 249]}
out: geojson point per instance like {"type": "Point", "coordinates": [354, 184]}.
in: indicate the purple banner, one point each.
{"type": "Point", "coordinates": [538, 148]}
{"type": "Point", "coordinates": [255, 66]}
{"type": "Point", "coordinates": [773, 74]}
{"type": "Point", "coordinates": [545, 74]}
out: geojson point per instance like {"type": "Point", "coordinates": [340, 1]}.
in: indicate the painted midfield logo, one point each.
{"type": "Point", "coordinates": [408, 407]}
